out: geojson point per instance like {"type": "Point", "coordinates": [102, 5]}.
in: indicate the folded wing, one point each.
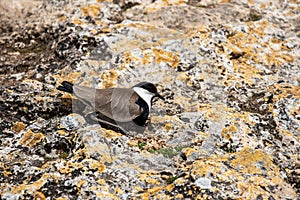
{"type": "Point", "coordinates": [115, 103]}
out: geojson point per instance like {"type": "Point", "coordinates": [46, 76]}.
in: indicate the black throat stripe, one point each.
{"type": "Point", "coordinates": [141, 120]}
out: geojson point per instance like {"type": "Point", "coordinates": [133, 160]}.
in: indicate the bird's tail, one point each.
{"type": "Point", "coordinates": [66, 87]}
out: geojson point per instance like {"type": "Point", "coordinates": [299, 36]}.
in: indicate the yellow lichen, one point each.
{"type": "Point", "coordinates": [39, 196]}
{"type": "Point", "coordinates": [61, 132]}
{"type": "Point", "coordinates": [160, 119]}
{"type": "Point", "coordinates": [284, 91]}
{"type": "Point", "coordinates": [168, 126]}
{"type": "Point", "coordinates": [227, 132]}
{"type": "Point", "coordinates": [163, 196]}
{"type": "Point", "coordinates": [109, 78]}
{"type": "Point", "coordinates": [153, 181]}
{"type": "Point", "coordinates": [81, 183]}
{"type": "Point", "coordinates": [31, 139]}
{"type": "Point", "coordinates": [5, 169]}
{"type": "Point", "coordinates": [101, 181]}
{"type": "Point", "coordinates": [18, 127]}
{"type": "Point", "coordinates": [69, 167]}
{"type": "Point", "coordinates": [94, 10]}
{"type": "Point", "coordinates": [77, 21]}
{"type": "Point", "coordinates": [247, 160]}
{"type": "Point", "coordinates": [35, 186]}
{"type": "Point", "coordinates": [111, 134]}
{"type": "Point", "coordinates": [251, 170]}
{"type": "Point", "coordinates": [100, 167]}
{"type": "Point", "coordinates": [101, 148]}
{"type": "Point", "coordinates": [132, 143]}
{"type": "Point", "coordinates": [91, 10]}
{"type": "Point", "coordinates": [129, 58]}
{"type": "Point", "coordinates": [166, 57]}
{"type": "Point", "coordinates": [189, 151]}
{"type": "Point", "coordinates": [62, 18]}
{"type": "Point", "coordinates": [179, 196]}
{"type": "Point", "coordinates": [146, 58]}
{"type": "Point", "coordinates": [203, 167]}
{"type": "Point", "coordinates": [156, 190]}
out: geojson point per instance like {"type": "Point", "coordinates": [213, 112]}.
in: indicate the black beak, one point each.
{"type": "Point", "coordinates": [159, 96]}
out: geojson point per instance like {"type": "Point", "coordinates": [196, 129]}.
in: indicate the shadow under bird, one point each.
{"type": "Point", "coordinates": [116, 108]}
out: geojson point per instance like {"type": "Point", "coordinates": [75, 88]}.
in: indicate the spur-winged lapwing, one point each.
{"type": "Point", "coordinates": [116, 106]}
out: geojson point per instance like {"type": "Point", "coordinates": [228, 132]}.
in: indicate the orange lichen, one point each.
{"type": "Point", "coordinates": [258, 28]}
{"type": "Point", "coordinates": [111, 133]}
{"type": "Point", "coordinates": [250, 169]}
{"type": "Point", "coordinates": [203, 167]}
{"type": "Point", "coordinates": [227, 132]}
{"type": "Point", "coordinates": [100, 167]}
{"type": "Point", "coordinates": [189, 151]}
{"type": "Point", "coordinates": [69, 167]}
{"type": "Point", "coordinates": [282, 91]}
{"type": "Point", "coordinates": [77, 21]}
{"type": "Point", "coordinates": [91, 10]}
{"type": "Point", "coordinates": [84, 11]}
{"type": "Point", "coordinates": [39, 196]}
{"type": "Point", "coordinates": [35, 186]}
{"type": "Point", "coordinates": [18, 127]}
{"type": "Point", "coordinates": [166, 57]}
{"type": "Point", "coordinates": [101, 181]}
{"type": "Point", "coordinates": [247, 160]}
{"type": "Point", "coordinates": [277, 59]}
{"type": "Point", "coordinates": [106, 30]}
{"type": "Point", "coordinates": [94, 10]}
{"type": "Point", "coordinates": [168, 126]}
{"type": "Point", "coordinates": [5, 169]}
{"type": "Point", "coordinates": [153, 181]}
{"type": "Point", "coordinates": [182, 76]}
{"type": "Point", "coordinates": [62, 18]}
{"type": "Point", "coordinates": [132, 143]}
{"type": "Point", "coordinates": [251, 2]}
{"type": "Point", "coordinates": [155, 190]}
{"type": "Point", "coordinates": [31, 139]}
{"type": "Point", "coordinates": [242, 43]}
{"type": "Point", "coordinates": [81, 183]}
{"type": "Point", "coordinates": [146, 58]}
{"type": "Point", "coordinates": [128, 57]}
{"type": "Point", "coordinates": [109, 78]}
{"type": "Point", "coordinates": [61, 132]}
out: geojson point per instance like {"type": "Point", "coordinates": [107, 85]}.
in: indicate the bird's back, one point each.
{"type": "Point", "coordinates": [118, 104]}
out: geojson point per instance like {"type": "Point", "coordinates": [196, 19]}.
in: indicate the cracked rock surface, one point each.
{"type": "Point", "coordinates": [228, 129]}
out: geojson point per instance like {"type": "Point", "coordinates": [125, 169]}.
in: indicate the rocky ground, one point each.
{"type": "Point", "coordinates": [228, 129]}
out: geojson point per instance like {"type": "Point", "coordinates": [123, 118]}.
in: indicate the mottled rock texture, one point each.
{"type": "Point", "coordinates": [228, 129]}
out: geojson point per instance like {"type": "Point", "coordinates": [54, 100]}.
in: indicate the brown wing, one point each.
{"type": "Point", "coordinates": [115, 103]}
{"type": "Point", "coordinates": [118, 104]}
{"type": "Point", "coordinates": [85, 94]}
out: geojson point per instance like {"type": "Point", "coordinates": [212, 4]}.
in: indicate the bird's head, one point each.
{"type": "Point", "coordinates": [147, 91]}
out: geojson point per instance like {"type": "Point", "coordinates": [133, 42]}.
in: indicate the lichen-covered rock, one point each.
{"type": "Point", "coordinates": [228, 129]}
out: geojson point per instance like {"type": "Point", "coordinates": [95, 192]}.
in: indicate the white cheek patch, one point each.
{"type": "Point", "coordinates": [144, 94]}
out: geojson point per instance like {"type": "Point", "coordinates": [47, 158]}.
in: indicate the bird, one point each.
{"type": "Point", "coordinates": [120, 109]}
